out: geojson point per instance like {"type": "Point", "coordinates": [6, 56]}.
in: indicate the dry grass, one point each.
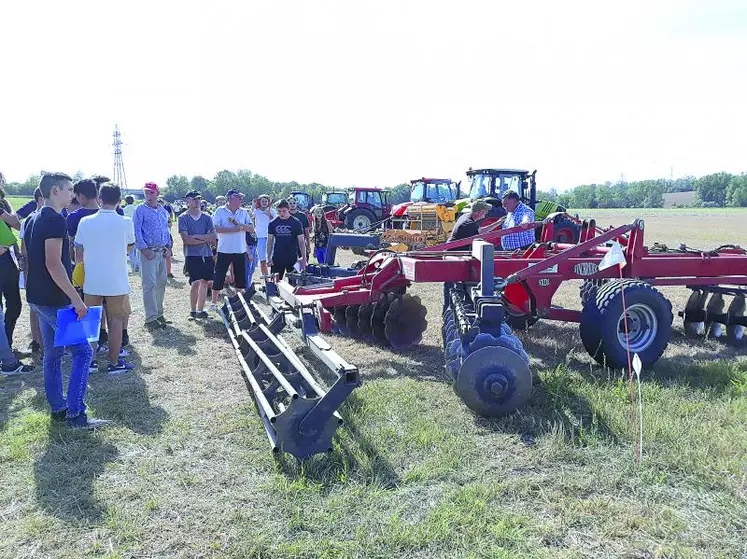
{"type": "Point", "coordinates": [186, 470]}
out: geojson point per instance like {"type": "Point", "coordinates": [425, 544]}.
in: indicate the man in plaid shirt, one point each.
{"type": "Point", "coordinates": [518, 214]}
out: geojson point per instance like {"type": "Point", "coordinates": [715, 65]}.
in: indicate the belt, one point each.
{"type": "Point", "coordinates": [156, 249]}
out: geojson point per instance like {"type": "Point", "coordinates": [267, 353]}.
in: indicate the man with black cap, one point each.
{"type": "Point", "coordinates": [231, 224]}
{"type": "Point", "coordinates": [198, 233]}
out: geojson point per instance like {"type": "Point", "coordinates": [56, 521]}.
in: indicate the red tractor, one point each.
{"type": "Point", "coordinates": [365, 207]}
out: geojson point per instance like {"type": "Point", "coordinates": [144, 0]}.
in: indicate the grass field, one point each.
{"type": "Point", "coordinates": [186, 471]}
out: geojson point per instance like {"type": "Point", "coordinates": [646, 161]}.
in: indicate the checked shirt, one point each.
{"type": "Point", "coordinates": [522, 214]}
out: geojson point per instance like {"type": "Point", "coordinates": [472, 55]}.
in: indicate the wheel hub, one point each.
{"type": "Point", "coordinates": [642, 327]}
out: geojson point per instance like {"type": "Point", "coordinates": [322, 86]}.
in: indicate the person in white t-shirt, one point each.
{"type": "Point", "coordinates": [231, 222]}
{"type": "Point", "coordinates": [263, 214]}
{"type": "Point", "coordinates": [102, 244]}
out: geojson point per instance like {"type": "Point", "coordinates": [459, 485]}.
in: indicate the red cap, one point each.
{"type": "Point", "coordinates": [151, 186]}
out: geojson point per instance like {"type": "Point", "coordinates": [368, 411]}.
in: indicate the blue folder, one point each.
{"type": "Point", "coordinates": [71, 331]}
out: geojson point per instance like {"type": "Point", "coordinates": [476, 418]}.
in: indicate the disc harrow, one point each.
{"type": "Point", "coordinates": [298, 415]}
{"type": "Point", "coordinates": [706, 314]}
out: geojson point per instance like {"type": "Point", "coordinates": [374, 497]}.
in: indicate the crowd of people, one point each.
{"type": "Point", "coordinates": [76, 244]}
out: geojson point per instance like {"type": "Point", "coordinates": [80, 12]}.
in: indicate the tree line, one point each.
{"type": "Point", "coordinates": [714, 190]}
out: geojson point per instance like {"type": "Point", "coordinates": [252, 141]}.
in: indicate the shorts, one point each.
{"type": "Point", "coordinates": [224, 260]}
{"type": "Point", "coordinates": [200, 268]}
{"type": "Point", "coordinates": [262, 248]}
{"type": "Point", "coordinates": [280, 268]}
{"type": "Point", "coordinates": [116, 305]}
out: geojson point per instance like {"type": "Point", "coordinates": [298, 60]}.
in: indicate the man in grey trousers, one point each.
{"type": "Point", "coordinates": [153, 241]}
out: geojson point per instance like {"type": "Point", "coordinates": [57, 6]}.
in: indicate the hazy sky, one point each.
{"type": "Point", "coordinates": [375, 93]}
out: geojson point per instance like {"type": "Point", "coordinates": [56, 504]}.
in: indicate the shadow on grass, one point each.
{"type": "Point", "coordinates": [125, 399]}
{"type": "Point", "coordinates": [172, 337]}
{"type": "Point", "coordinates": [66, 472]}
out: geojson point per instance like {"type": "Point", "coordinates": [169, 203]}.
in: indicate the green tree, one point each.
{"type": "Point", "coordinates": [176, 187]}
{"type": "Point", "coordinates": [736, 192]}
{"type": "Point", "coordinates": [712, 188]}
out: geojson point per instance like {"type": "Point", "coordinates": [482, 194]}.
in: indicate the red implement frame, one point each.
{"type": "Point", "coordinates": [535, 274]}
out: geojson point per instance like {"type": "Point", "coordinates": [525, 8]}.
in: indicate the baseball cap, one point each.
{"type": "Point", "coordinates": [151, 186]}
{"type": "Point", "coordinates": [234, 192]}
{"type": "Point", "coordinates": [479, 206]}
{"type": "Point", "coordinates": [193, 194]}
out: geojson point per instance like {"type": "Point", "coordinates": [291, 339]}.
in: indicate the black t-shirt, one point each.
{"type": "Point", "coordinates": [303, 218]}
{"type": "Point", "coordinates": [40, 287]}
{"type": "Point", "coordinates": [321, 236]}
{"type": "Point", "coordinates": [464, 228]}
{"type": "Point", "coordinates": [251, 238]}
{"type": "Point", "coordinates": [286, 232]}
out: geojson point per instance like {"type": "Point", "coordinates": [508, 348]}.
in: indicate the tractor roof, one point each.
{"type": "Point", "coordinates": [365, 188]}
{"type": "Point", "coordinates": [432, 181]}
{"type": "Point", "coordinates": [472, 172]}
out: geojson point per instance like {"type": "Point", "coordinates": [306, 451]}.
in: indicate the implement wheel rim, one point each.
{"type": "Point", "coordinates": [643, 327]}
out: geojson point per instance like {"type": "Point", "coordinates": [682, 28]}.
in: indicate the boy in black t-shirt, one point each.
{"type": "Point", "coordinates": [285, 241]}
{"type": "Point", "coordinates": [48, 289]}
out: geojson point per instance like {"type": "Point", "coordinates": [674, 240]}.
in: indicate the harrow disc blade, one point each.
{"type": "Point", "coordinates": [494, 381]}
{"type": "Point", "coordinates": [735, 333]}
{"type": "Point", "coordinates": [340, 321]}
{"type": "Point", "coordinates": [715, 306]}
{"type": "Point", "coordinates": [694, 309]}
{"type": "Point", "coordinates": [351, 319]}
{"type": "Point", "coordinates": [377, 319]}
{"type": "Point", "coordinates": [405, 322]}
{"type": "Point", "coordinates": [364, 320]}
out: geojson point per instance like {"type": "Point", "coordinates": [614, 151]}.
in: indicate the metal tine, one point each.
{"type": "Point", "coordinates": [271, 367]}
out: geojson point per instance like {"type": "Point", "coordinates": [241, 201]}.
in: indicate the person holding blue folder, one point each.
{"type": "Point", "coordinates": [48, 289]}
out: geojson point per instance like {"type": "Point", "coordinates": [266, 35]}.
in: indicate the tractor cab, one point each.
{"type": "Point", "coordinates": [425, 193]}
{"type": "Point", "coordinates": [303, 200]}
{"type": "Point", "coordinates": [333, 200]}
{"type": "Point", "coordinates": [364, 208]}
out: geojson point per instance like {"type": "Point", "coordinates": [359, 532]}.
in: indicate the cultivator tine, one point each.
{"type": "Point", "coordinates": [298, 415]}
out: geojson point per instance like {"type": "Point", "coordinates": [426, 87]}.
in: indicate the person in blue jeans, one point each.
{"type": "Point", "coordinates": [48, 289]}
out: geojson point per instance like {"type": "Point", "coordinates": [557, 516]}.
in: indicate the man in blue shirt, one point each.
{"type": "Point", "coordinates": [153, 240]}
{"type": "Point", "coordinates": [518, 214]}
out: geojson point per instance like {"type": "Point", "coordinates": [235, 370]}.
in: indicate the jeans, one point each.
{"type": "Point", "coordinates": [82, 355]}
{"type": "Point", "coordinates": [11, 291]}
{"type": "Point", "coordinates": [7, 357]}
{"type": "Point", "coordinates": [321, 254]}
{"type": "Point", "coordinates": [153, 274]}
{"type": "Point", "coordinates": [251, 264]}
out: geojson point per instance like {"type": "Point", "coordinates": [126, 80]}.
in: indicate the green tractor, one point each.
{"type": "Point", "coordinates": [489, 185]}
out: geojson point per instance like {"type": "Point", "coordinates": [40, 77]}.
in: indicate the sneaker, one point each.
{"type": "Point", "coordinates": [21, 354]}
{"type": "Point", "coordinates": [93, 367]}
{"type": "Point", "coordinates": [122, 366]}
{"type": "Point", "coordinates": [213, 307]}
{"type": "Point", "coordinates": [123, 353]}
{"type": "Point", "coordinates": [17, 369]}
{"type": "Point", "coordinates": [154, 325]}
{"type": "Point", "coordinates": [202, 314]}
{"type": "Point", "coordinates": [35, 347]}
{"type": "Point", "coordinates": [82, 421]}
{"type": "Point", "coordinates": [193, 315]}
{"type": "Point", "coordinates": [103, 348]}
{"type": "Point", "coordinates": [163, 320]}
{"type": "Point", "coordinates": [59, 415]}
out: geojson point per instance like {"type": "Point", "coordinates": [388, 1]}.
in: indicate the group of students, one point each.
{"type": "Point", "coordinates": [76, 254]}
{"type": "Point", "coordinates": [228, 245]}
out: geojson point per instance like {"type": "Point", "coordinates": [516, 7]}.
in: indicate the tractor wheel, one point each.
{"type": "Point", "coordinates": [358, 219]}
{"type": "Point", "coordinates": [566, 231]}
{"type": "Point", "coordinates": [590, 288]}
{"type": "Point", "coordinates": [648, 317]}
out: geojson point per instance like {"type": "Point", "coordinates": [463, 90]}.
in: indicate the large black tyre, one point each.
{"type": "Point", "coordinates": [359, 219]}
{"type": "Point", "coordinates": [566, 231]}
{"type": "Point", "coordinates": [649, 323]}
{"type": "Point", "coordinates": [590, 288]}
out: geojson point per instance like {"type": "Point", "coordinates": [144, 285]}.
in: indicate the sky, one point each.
{"type": "Point", "coordinates": [374, 93]}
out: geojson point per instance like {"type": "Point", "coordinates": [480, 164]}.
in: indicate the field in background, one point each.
{"type": "Point", "coordinates": [17, 201]}
{"type": "Point", "coordinates": [187, 471]}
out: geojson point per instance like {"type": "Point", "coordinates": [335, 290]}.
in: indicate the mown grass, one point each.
{"type": "Point", "coordinates": [186, 471]}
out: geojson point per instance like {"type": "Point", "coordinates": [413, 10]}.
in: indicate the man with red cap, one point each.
{"type": "Point", "coordinates": [153, 240]}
